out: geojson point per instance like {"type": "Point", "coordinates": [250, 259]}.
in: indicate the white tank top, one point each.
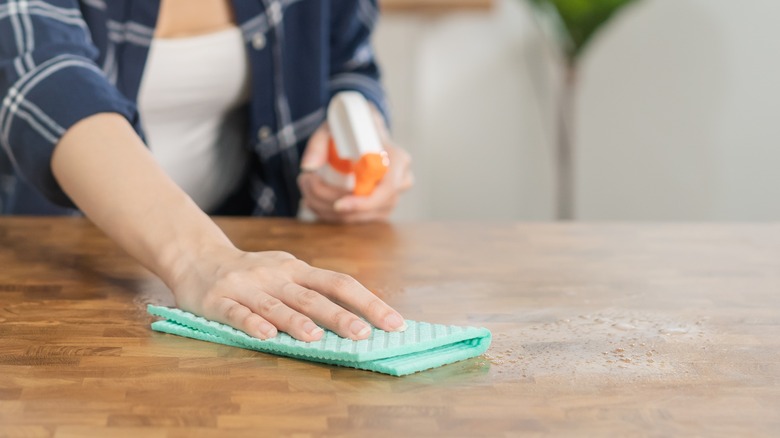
{"type": "Point", "coordinates": [189, 102]}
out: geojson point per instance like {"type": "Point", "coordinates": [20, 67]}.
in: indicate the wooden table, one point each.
{"type": "Point", "coordinates": [611, 330]}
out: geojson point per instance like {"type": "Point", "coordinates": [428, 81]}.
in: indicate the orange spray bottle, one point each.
{"type": "Point", "coordinates": [356, 159]}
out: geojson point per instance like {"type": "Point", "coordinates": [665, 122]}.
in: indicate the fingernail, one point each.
{"type": "Point", "coordinates": [341, 205]}
{"type": "Point", "coordinates": [311, 328]}
{"type": "Point", "coordinates": [359, 328]}
{"type": "Point", "coordinates": [395, 322]}
{"type": "Point", "coordinates": [267, 330]}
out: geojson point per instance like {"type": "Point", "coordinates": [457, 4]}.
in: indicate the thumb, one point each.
{"type": "Point", "coordinates": [316, 153]}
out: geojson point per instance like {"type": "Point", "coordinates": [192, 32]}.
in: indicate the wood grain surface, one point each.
{"type": "Point", "coordinates": [599, 330]}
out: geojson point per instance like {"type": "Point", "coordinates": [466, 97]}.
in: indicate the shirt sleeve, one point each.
{"type": "Point", "coordinates": [352, 62]}
{"type": "Point", "coordinates": [49, 81]}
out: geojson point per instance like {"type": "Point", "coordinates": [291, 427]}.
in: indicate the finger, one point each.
{"type": "Point", "coordinates": [322, 208]}
{"type": "Point", "coordinates": [321, 200]}
{"type": "Point", "coordinates": [383, 197]}
{"type": "Point", "coordinates": [322, 190]}
{"type": "Point", "coordinates": [314, 186]}
{"type": "Point", "coordinates": [280, 315]}
{"type": "Point", "coordinates": [240, 317]}
{"type": "Point", "coordinates": [326, 312]}
{"type": "Point", "coordinates": [317, 206]}
{"type": "Point", "coordinates": [347, 292]}
{"type": "Point", "coordinates": [316, 153]}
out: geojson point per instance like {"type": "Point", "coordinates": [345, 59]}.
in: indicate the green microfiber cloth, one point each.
{"type": "Point", "coordinates": [422, 346]}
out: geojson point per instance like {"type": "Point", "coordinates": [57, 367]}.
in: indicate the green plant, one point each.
{"type": "Point", "coordinates": [575, 22]}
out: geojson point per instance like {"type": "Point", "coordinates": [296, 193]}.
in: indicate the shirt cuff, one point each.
{"type": "Point", "coordinates": [369, 87]}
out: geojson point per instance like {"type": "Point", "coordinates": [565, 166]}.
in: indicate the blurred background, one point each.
{"type": "Point", "coordinates": [674, 115]}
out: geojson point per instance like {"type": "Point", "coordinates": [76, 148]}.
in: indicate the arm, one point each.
{"type": "Point", "coordinates": [49, 80]}
{"type": "Point", "coordinates": [66, 129]}
{"type": "Point", "coordinates": [353, 65]}
{"type": "Point", "coordinates": [106, 170]}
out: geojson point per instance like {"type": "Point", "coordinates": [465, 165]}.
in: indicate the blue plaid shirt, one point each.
{"type": "Point", "coordinates": [64, 60]}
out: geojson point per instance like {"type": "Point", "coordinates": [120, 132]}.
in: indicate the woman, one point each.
{"type": "Point", "coordinates": [228, 96]}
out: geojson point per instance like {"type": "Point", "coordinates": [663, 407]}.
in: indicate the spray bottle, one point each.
{"type": "Point", "coordinates": [356, 159]}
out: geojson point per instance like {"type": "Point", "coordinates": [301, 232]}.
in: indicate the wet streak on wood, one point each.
{"type": "Point", "coordinates": [598, 330]}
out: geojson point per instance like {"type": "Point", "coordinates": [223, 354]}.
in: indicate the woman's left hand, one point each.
{"type": "Point", "coordinates": [333, 204]}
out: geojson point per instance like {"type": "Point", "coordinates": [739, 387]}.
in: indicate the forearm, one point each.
{"type": "Point", "coordinates": [105, 169]}
{"type": "Point", "coordinates": [110, 175]}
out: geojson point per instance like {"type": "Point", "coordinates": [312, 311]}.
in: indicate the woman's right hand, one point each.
{"type": "Point", "coordinates": [261, 293]}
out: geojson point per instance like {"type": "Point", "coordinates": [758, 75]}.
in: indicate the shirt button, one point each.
{"type": "Point", "coordinates": [275, 13]}
{"type": "Point", "coordinates": [264, 133]}
{"type": "Point", "coordinates": [258, 41]}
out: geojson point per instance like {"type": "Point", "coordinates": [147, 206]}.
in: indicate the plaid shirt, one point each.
{"type": "Point", "coordinates": [64, 60]}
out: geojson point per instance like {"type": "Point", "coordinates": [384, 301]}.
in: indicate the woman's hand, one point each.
{"type": "Point", "coordinates": [124, 192]}
{"type": "Point", "coordinates": [333, 204]}
{"type": "Point", "coordinates": [264, 292]}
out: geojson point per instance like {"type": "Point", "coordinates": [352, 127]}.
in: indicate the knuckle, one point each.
{"type": "Point", "coordinates": [250, 320]}
{"type": "Point", "coordinates": [320, 191]}
{"type": "Point", "coordinates": [294, 264]}
{"type": "Point", "coordinates": [234, 312]}
{"type": "Point", "coordinates": [211, 300]}
{"type": "Point", "coordinates": [295, 319]}
{"type": "Point", "coordinates": [307, 298]}
{"type": "Point", "coordinates": [270, 305]}
{"type": "Point", "coordinates": [261, 275]}
{"type": "Point", "coordinates": [341, 319]}
{"type": "Point", "coordinates": [374, 307]}
{"type": "Point", "coordinates": [233, 278]}
{"type": "Point", "coordinates": [281, 255]}
{"type": "Point", "coordinates": [342, 281]}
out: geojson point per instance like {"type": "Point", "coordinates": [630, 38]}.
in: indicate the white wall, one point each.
{"type": "Point", "coordinates": [675, 117]}
{"type": "Point", "coordinates": [679, 113]}
{"type": "Point", "coordinates": [465, 105]}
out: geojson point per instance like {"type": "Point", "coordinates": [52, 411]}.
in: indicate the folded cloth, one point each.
{"type": "Point", "coordinates": [422, 346]}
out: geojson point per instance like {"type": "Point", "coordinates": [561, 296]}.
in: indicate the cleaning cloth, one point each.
{"type": "Point", "coordinates": [422, 346]}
